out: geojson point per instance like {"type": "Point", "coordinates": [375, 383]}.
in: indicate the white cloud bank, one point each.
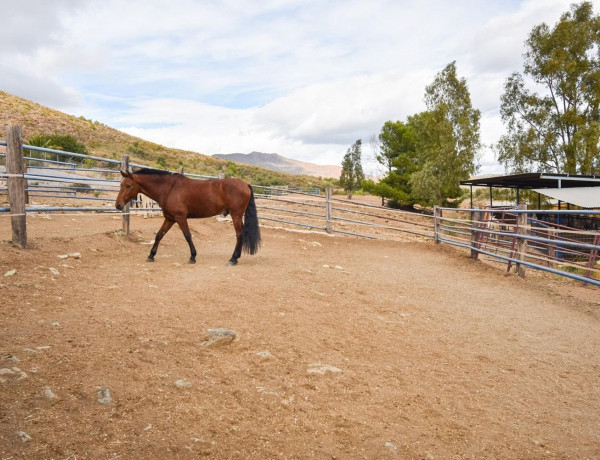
{"type": "Point", "coordinates": [301, 78]}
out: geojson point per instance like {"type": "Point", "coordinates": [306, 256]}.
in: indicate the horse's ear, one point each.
{"type": "Point", "coordinates": [126, 174]}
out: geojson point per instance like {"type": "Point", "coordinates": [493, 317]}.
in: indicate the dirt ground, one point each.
{"type": "Point", "coordinates": [345, 348]}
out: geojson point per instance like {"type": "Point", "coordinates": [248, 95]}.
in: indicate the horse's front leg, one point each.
{"type": "Point", "coordinates": [188, 237]}
{"type": "Point", "coordinates": [167, 224]}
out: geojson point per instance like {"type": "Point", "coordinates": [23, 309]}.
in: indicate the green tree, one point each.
{"type": "Point", "coordinates": [447, 140]}
{"type": "Point", "coordinates": [352, 172]}
{"type": "Point", "coordinates": [397, 153]}
{"type": "Point", "coordinates": [557, 130]}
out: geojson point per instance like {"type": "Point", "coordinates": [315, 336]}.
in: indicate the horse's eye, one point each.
{"type": "Point", "coordinates": [128, 186]}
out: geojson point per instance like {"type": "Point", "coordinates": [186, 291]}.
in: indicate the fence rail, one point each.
{"type": "Point", "coordinates": [535, 239]}
{"type": "Point", "coordinates": [521, 237]}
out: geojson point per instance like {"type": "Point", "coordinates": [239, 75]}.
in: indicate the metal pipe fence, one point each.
{"type": "Point", "coordinates": [521, 237]}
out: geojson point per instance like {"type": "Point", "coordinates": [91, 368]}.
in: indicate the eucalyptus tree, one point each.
{"type": "Point", "coordinates": [557, 128]}
{"type": "Point", "coordinates": [447, 142]}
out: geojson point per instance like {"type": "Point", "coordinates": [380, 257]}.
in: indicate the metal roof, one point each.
{"type": "Point", "coordinates": [534, 181]}
{"type": "Point", "coordinates": [584, 197]}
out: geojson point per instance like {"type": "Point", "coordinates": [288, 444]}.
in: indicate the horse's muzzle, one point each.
{"type": "Point", "coordinates": [119, 206]}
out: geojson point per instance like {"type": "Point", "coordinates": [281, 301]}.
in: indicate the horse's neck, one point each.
{"type": "Point", "coordinates": [157, 187]}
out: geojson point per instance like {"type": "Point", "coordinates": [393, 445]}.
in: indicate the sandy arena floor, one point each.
{"type": "Point", "coordinates": [345, 348]}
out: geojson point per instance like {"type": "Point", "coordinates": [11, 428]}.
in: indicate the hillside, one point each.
{"type": "Point", "coordinates": [276, 162]}
{"type": "Point", "coordinates": [104, 141]}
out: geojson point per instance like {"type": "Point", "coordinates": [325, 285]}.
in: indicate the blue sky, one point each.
{"type": "Point", "coordinates": [301, 78]}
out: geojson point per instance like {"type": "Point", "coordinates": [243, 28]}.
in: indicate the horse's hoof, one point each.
{"type": "Point", "coordinates": [191, 261]}
{"type": "Point", "coordinates": [149, 259]}
{"type": "Point", "coordinates": [231, 263]}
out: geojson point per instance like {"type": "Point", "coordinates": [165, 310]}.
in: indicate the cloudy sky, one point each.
{"type": "Point", "coordinates": [303, 78]}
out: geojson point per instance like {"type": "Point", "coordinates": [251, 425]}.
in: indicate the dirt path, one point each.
{"type": "Point", "coordinates": [345, 348]}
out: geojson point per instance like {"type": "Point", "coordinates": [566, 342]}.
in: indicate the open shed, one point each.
{"type": "Point", "coordinates": [580, 190]}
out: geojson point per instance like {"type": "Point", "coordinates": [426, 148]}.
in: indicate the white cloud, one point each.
{"type": "Point", "coordinates": [303, 78]}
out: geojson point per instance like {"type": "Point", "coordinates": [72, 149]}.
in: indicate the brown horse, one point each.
{"type": "Point", "coordinates": [181, 198]}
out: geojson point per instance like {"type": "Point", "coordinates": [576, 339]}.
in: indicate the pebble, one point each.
{"type": "Point", "coordinates": [23, 436]}
{"type": "Point", "coordinates": [393, 447]}
{"type": "Point", "coordinates": [48, 393]}
{"type": "Point", "coordinates": [11, 272]}
{"type": "Point", "coordinates": [183, 383]}
{"type": "Point", "coordinates": [104, 396]}
{"type": "Point", "coordinates": [74, 255]}
{"type": "Point", "coordinates": [265, 354]}
{"type": "Point", "coordinates": [322, 369]}
{"type": "Point", "coordinates": [218, 337]}
{"type": "Point", "coordinates": [54, 271]}
{"type": "Point", "coordinates": [14, 372]}
{"type": "Point", "coordinates": [12, 358]}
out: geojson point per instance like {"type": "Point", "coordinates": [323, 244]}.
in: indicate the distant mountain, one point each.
{"type": "Point", "coordinates": [277, 162]}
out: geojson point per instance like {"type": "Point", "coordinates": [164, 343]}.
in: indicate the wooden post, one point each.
{"type": "Point", "coordinates": [328, 210]}
{"type": "Point", "coordinates": [126, 209]}
{"type": "Point", "coordinates": [521, 242]}
{"type": "Point", "coordinates": [437, 216]}
{"type": "Point", "coordinates": [15, 169]}
{"type": "Point", "coordinates": [180, 170]}
{"type": "Point", "coordinates": [475, 234]}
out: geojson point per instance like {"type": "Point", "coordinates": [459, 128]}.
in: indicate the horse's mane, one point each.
{"type": "Point", "coordinates": [150, 171]}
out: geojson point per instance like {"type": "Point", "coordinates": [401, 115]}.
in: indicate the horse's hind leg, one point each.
{"type": "Point", "coordinates": [167, 224]}
{"type": "Point", "coordinates": [188, 237]}
{"type": "Point", "coordinates": [237, 252]}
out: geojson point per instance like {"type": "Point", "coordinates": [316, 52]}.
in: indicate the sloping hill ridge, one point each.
{"type": "Point", "coordinates": [104, 141]}
{"type": "Point", "coordinates": [277, 162]}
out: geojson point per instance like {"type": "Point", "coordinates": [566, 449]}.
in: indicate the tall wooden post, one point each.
{"type": "Point", "coordinates": [328, 210]}
{"type": "Point", "coordinates": [15, 169]}
{"type": "Point", "coordinates": [521, 242]}
{"type": "Point", "coordinates": [126, 209]}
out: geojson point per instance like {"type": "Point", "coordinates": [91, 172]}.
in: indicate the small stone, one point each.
{"type": "Point", "coordinates": [325, 266]}
{"type": "Point", "coordinates": [393, 447]}
{"type": "Point", "coordinates": [338, 267]}
{"type": "Point", "coordinates": [24, 437]}
{"type": "Point", "coordinates": [183, 383]}
{"type": "Point", "coordinates": [12, 358]}
{"type": "Point", "coordinates": [218, 337]}
{"type": "Point", "coordinates": [11, 272]}
{"type": "Point", "coordinates": [322, 369]}
{"type": "Point", "coordinates": [56, 324]}
{"type": "Point", "coordinates": [48, 393]}
{"type": "Point", "coordinates": [54, 271]}
{"type": "Point", "coordinates": [104, 396]}
{"type": "Point", "coordinates": [265, 354]}
{"type": "Point", "coordinates": [148, 427]}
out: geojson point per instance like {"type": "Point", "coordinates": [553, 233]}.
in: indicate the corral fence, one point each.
{"type": "Point", "coordinates": [518, 238]}
{"type": "Point", "coordinates": [563, 242]}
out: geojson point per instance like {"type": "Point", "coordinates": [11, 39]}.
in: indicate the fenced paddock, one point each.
{"type": "Point", "coordinates": [58, 181]}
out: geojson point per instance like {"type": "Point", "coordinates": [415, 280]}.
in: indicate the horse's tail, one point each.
{"type": "Point", "coordinates": [251, 231]}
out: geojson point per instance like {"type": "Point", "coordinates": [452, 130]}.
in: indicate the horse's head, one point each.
{"type": "Point", "coordinates": [129, 189]}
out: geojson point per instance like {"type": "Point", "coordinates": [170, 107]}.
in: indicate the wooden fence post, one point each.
{"type": "Point", "coordinates": [126, 209]}
{"type": "Point", "coordinates": [475, 234]}
{"type": "Point", "coordinates": [328, 210]}
{"type": "Point", "coordinates": [15, 169]}
{"type": "Point", "coordinates": [437, 216]}
{"type": "Point", "coordinates": [521, 242]}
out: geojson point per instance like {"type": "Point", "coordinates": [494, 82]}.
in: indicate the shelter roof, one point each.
{"type": "Point", "coordinates": [534, 181]}
{"type": "Point", "coordinates": [585, 197]}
